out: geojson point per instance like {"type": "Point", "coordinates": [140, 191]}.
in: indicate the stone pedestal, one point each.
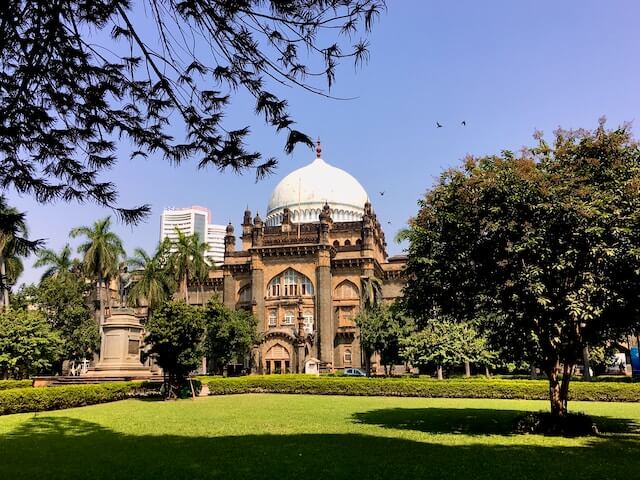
{"type": "Point", "coordinates": [122, 335]}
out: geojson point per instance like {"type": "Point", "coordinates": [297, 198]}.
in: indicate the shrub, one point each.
{"type": "Point", "coordinates": [185, 389]}
{"type": "Point", "coordinates": [9, 384]}
{"type": "Point", "coordinates": [403, 387]}
{"type": "Point", "coordinates": [569, 425]}
{"type": "Point", "coordinates": [19, 400]}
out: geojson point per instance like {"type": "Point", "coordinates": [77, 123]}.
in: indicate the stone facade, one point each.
{"type": "Point", "coordinates": [303, 283]}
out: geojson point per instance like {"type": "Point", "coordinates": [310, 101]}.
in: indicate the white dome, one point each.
{"type": "Point", "coordinates": [306, 190]}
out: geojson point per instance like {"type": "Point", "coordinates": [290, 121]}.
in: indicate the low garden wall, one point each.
{"type": "Point", "coordinates": [454, 388]}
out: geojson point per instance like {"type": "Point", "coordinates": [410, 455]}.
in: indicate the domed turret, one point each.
{"type": "Point", "coordinates": [306, 190]}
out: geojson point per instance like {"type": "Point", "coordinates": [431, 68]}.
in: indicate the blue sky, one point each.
{"type": "Point", "coordinates": [506, 67]}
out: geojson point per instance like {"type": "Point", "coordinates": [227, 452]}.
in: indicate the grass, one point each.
{"type": "Point", "coordinates": [299, 436]}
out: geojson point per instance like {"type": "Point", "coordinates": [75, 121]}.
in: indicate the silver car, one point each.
{"type": "Point", "coordinates": [354, 372]}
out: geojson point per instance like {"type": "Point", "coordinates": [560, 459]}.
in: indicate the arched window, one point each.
{"type": "Point", "coordinates": [336, 243]}
{"type": "Point", "coordinates": [245, 294]}
{"type": "Point", "coordinates": [347, 290]}
{"type": "Point", "coordinates": [347, 356]}
{"type": "Point", "coordinates": [358, 242]}
{"type": "Point", "coordinates": [290, 284]}
{"type": "Point", "coordinates": [347, 243]}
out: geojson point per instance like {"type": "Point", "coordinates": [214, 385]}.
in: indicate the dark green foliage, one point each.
{"type": "Point", "coordinates": [57, 263]}
{"type": "Point", "coordinates": [230, 335]}
{"type": "Point", "coordinates": [77, 76]}
{"type": "Point", "coordinates": [14, 244]}
{"type": "Point", "coordinates": [570, 425]}
{"type": "Point", "coordinates": [446, 343]}
{"type": "Point", "coordinates": [381, 327]}
{"type": "Point", "coordinates": [454, 388]}
{"type": "Point", "coordinates": [602, 358]}
{"type": "Point", "coordinates": [185, 390]}
{"type": "Point", "coordinates": [21, 400]}
{"type": "Point", "coordinates": [546, 242]}
{"type": "Point", "coordinates": [175, 335]}
{"type": "Point", "coordinates": [27, 344]}
{"type": "Point", "coordinates": [152, 281]}
{"type": "Point", "coordinates": [9, 384]}
{"type": "Point", "coordinates": [62, 299]}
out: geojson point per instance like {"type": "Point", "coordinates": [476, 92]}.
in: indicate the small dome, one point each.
{"type": "Point", "coordinates": [306, 190]}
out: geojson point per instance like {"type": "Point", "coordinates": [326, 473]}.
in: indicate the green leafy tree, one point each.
{"type": "Point", "coordinates": [380, 330]}
{"type": "Point", "coordinates": [548, 238]}
{"type": "Point", "coordinates": [27, 344]}
{"type": "Point", "coordinates": [152, 281]}
{"type": "Point", "coordinates": [175, 337]}
{"type": "Point", "coordinates": [79, 75]}
{"type": "Point", "coordinates": [57, 263]}
{"type": "Point", "coordinates": [63, 301]}
{"type": "Point", "coordinates": [230, 335]}
{"type": "Point", "coordinates": [100, 255]}
{"type": "Point", "coordinates": [602, 358]}
{"type": "Point", "coordinates": [14, 243]}
{"type": "Point", "coordinates": [445, 343]}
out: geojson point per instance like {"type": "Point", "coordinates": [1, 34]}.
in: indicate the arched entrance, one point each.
{"type": "Point", "coordinates": [277, 360]}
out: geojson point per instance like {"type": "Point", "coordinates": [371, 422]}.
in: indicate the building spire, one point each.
{"type": "Point", "coordinates": [318, 149]}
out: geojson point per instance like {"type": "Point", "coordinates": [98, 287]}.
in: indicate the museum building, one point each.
{"type": "Point", "coordinates": [302, 268]}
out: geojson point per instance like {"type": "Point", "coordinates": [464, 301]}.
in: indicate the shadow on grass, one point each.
{"type": "Point", "coordinates": [469, 421]}
{"type": "Point", "coordinates": [68, 448]}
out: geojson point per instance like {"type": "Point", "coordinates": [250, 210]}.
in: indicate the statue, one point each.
{"type": "Point", "coordinates": [124, 285]}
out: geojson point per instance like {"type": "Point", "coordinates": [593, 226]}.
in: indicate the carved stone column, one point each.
{"type": "Point", "coordinates": [228, 289]}
{"type": "Point", "coordinates": [257, 289]}
{"type": "Point", "coordinates": [325, 324]}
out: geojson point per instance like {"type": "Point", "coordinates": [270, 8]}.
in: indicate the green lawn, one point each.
{"type": "Point", "coordinates": [302, 437]}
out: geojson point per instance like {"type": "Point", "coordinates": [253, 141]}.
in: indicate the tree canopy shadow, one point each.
{"type": "Point", "coordinates": [68, 448]}
{"type": "Point", "coordinates": [469, 421]}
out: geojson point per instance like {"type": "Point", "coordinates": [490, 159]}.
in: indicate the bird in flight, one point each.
{"type": "Point", "coordinates": [389, 223]}
{"type": "Point", "coordinates": [382, 194]}
{"type": "Point", "coordinates": [464, 123]}
{"type": "Point", "coordinates": [438, 125]}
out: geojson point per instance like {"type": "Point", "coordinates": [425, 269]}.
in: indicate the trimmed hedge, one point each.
{"type": "Point", "coordinates": [20, 400]}
{"type": "Point", "coordinates": [9, 384]}
{"type": "Point", "coordinates": [463, 388]}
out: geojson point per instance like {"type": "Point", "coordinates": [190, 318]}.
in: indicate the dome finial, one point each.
{"type": "Point", "coordinates": [318, 149]}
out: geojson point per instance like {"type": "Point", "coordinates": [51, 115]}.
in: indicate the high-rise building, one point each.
{"type": "Point", "coordinates": [190, 220]}
{"type": "Point", "coordinates": [215, 241]}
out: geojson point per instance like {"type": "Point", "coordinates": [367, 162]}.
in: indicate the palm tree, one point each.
{"type": "Point", "coordinates": [14, 243]}
{"type": "Point", "coordinates": [187, 260]}
{"type": "Point", "coordinates": [57, 263]}
{"type": "Point", "coordinates": [100, 254]}
{"type": "Point", "coordinates": [201, 267]}
{"type": "Point", "coordinates": [152, 281]}
{"type": "Point", "coordinates": [371, 293]}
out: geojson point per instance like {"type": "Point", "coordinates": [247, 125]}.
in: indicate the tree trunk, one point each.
{"type": "Point", "coordinates": [487, 372]}
{"type": "Point", "coordinates": [586, 375]}
{"type": "Point", "coordinates": [440, 377]}
{"type": "Point", "coordinates": [559, 389]}
{"type": "Point", "coordinates": [101, 298]}
{"type": "Point", "coordinates": [467, 369]}
{"type": "Point", "coordinates": [185, 287]}
{"type": "Point", "coordinates": [534, 372]}
{"type": "Point", "coordinates": [5, 287]}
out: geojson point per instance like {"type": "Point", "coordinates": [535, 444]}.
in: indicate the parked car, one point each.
{"type": "Point", "coordinates": [354, 372]}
